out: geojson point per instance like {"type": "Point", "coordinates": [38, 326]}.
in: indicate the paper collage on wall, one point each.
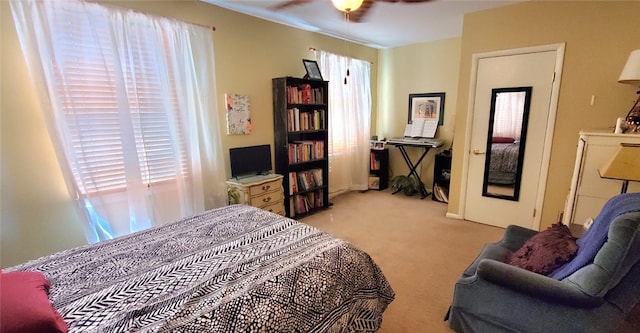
{"type": "Point", "coordinates": [238, 117]}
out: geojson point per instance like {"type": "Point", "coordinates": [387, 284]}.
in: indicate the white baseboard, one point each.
{"type": "Point", "coordinates": [454, 216]}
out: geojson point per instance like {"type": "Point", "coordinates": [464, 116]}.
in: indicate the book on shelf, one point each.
{"type": "Point", "coordinates": [305, 120]}
{"type": "Point", "coordinates": [304, 180]}
{"type": "Point", "coordinates": [304, 94]}
{"type": "Point", "coordinates": [318, 95]}
{"type": "Point", "coordinates": [317, 176]}
{"type": "Point", "coordinates": [293, 183]}
{"type": "Point", "coordinates": [375, 163]}
{"type": "Point", "coordinates": [303, 151]}
{"type": "Point", "coordinates": [296, 120]}
{"type": "Point", "coordinates": [304, 203]}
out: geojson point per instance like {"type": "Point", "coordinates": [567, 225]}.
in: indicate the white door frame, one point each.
{"type": "Point", "coordinates": [551, 120]}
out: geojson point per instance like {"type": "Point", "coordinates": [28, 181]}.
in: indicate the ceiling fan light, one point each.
{"type": "Point", "coordinates": [347, 5]}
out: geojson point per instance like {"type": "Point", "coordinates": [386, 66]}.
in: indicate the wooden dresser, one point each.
{"type": "Point", "coordinates": [264, 191]}
{"type": "Point", "coordinates": [589, 192]}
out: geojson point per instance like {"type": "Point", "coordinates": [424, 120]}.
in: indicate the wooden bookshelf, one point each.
{"type": "Point", "coordinates": [300, 120]}
{"type": "Point", "coordinates": [441, 177]}
{"type": "Point", "coordinates": [379, 169]}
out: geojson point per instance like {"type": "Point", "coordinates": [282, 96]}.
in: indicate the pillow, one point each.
{"type": "Point", "coordinates": [24, 304]}
{"type": "Point", "coordinates": [502, 139]}
{"type": "Point", "coordinates": [546, 250]}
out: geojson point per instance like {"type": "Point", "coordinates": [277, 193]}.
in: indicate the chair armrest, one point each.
{"type": "Point", "coordinates": [515, 236]}
{"type": "Point", "coordinates": [489, 251]}
{"type": "Point", "coordinates": [535, 285]}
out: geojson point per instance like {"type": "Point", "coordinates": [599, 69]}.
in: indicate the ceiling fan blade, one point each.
{"type": "Point", "coordinates": [289, 3]}
{"type": "Point", "coordinates": [406, 1]}
{"type": "Point", "coordinates": [359, 14]}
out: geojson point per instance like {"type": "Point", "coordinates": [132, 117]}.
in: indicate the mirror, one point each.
{"type": "Point", "coordinates": [508, 120]}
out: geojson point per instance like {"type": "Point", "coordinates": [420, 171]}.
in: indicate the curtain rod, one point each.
{"type": "Point", "coordinates": [212, 27]}
{"type": "Point", "coordinates": [314, 49]}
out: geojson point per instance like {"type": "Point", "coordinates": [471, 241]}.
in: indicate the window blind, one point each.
{"type": "Point", "coordinates": [93, 101]}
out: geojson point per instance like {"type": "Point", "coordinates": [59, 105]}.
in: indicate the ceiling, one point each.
{"type": "Point", "coordinates": [386, 25]}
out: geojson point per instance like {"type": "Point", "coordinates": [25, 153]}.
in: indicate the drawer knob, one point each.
{"type": "Point", "coordinates": [266, 187]}
{"type": "Point", "coordinates": [267, 199]}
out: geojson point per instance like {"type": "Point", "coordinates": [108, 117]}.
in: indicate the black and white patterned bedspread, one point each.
{"type": "Point", "coordinates": [504, 163]}
{"type": "Point", "coordinates": [232, 269]}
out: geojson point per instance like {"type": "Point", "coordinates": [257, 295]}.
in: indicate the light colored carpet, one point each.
{"type": "Point", "coordinates": [421, 252]}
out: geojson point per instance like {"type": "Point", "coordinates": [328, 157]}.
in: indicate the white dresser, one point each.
{"type": "Point", "coordinates": [589, 192]}
{"type": "Point", "coordinates": [259, 191]}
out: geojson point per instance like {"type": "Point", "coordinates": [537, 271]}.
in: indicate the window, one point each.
{"type": "Point", "coordinates": [89, 91]}
{"type": "Point", "coordinates": [128, 107]}
{"type": "Point", "coordinates": [349, 120]}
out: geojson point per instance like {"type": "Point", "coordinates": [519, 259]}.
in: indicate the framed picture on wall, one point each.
{"type": "Point", "coordinates": [427, 106]}
{"type": "Point", "coordinates": [313, 71]}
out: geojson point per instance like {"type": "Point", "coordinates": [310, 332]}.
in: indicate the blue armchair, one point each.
{"type": "Point", "coordinates": [493, 296]}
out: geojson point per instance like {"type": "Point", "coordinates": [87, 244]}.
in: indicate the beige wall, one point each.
{"type": "Point", "coordinates": [599, 35]}
{"type": "Point", "coordinates": [37, 217]}
{"type": "Point", "coordinates": [421, 68]}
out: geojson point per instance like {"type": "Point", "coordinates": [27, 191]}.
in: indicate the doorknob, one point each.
{"type": "Point", "coordinates": [478, 152]}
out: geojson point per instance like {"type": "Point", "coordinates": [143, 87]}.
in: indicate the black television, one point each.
{"type": "Point", "coordinates": [248, 161]}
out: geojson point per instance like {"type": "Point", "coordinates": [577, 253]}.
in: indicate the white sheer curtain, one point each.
{"type": "Point", "coordinates": [349, 120]}
{"type": "Point", "coordinates": [129, 100]}
{"type": "Point", "coordinates": [508, 114]}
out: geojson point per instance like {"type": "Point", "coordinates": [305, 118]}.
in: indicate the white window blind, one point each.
{"type": "Point", "coordinates": [93, 102]}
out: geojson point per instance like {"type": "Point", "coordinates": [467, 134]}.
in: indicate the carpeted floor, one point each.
{"type": "Point", "coordinates": [421, 252]}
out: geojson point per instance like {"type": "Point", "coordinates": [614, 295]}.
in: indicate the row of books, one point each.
{"type": "Point", "coordinates": [304, 203]}
{"type": "Point", "coordinates": [306, 120]}
{"type": "Point", "coordinates": [375, 163]}
{"type": "Point", "coordinates": [302, 151]}
{"type": "Point", "coordinates": [304, 180]}
{"type": "Point", "coordinates": [304, 94]}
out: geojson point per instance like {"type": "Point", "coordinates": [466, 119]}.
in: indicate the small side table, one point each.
{"type": "Point", "coordinates": [262, 191]}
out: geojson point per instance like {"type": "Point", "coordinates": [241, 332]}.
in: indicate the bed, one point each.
{"type": "Point", "coordinates": [232, 269]}
{"type": "Point", "coordinates": [504, 163]}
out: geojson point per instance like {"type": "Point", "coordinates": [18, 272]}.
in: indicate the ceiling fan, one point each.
{"type": "Point", "coordinates": [356, 9]}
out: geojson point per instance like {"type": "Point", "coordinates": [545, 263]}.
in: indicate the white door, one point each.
{"type": "Point", "coordinates": [529, 69]}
